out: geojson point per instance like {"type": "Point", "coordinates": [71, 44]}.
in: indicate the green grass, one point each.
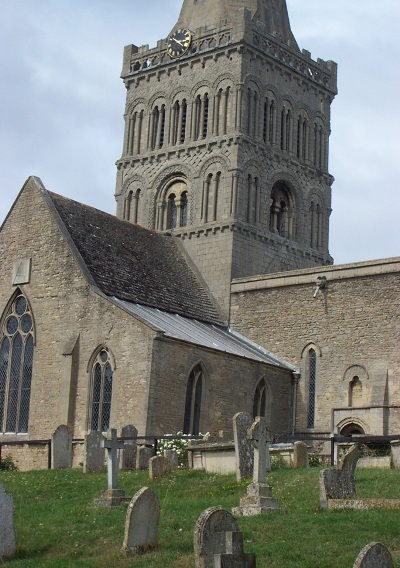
{"type": "Point", "coordinates": [57, 525]}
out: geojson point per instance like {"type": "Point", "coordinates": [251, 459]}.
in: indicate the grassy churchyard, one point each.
{"type": "Point", "coordinates": [57, 525]}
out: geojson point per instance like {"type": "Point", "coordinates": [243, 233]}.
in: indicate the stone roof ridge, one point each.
{"type": "Point", "coordinates": [133, 263]}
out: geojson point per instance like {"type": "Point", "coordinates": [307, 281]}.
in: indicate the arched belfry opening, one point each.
{"type": "Point", "coordinates": [173, 206]}
{"type": "Point", "coordinates": [282, 211]}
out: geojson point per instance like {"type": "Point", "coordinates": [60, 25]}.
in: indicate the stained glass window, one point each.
{"type": "Point", "coordinates": [102, 379]}
{"type": "Point", "coordinates": [16, 362]}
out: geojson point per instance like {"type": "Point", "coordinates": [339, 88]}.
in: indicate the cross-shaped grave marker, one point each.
{"type": "Point", "coordinates": [260, 438]}
{"type": "Point", "coordinates": [112, 446]}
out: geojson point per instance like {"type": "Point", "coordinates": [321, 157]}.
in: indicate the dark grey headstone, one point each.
{"type": "Point", "coordinates": [143, 457]}
{"type": "Point", "coordinates": [159, 466]}
{"type": "Point", "coordinates": [340, 483]}
{"type": "Point", "coordinates": [129, 455]}
{"type": "Point", "coordinates": [7, 535]}
{"type": "Point", "coordinates": [61, 448]}
{"type": "Point", "coordinates": [93, 452]}
{"type": "Point", "coordinates": [141, 524]}
{"type": "Point", "coordinates": [210, 535]}
{"type": "Point", "coordinates": [374, 555]}
{"type": "Point", "coordinates": [244, 450]}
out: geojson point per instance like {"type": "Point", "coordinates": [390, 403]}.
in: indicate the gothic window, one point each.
{"type": "Point", "coordinates": [194, 392]}
{"type": "Point", "coordinates": [102, 382]}
{"type": "Point", "coordinates": [355, 392]}
{"type": "Point", "coordinates": [312, 378]}
{"type": "Point", "coordinates": [281, 211]}
{"type": "Point", "coordinates": [261, 399]}
{"type": "Point", "coordinates": [16, 361]}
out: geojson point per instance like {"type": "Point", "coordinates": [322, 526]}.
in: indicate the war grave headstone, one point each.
{"type": "Point", "coordinates": [129, 455]}
{"type": "Point", "coordinates": [244, 453]}
{"type": "Point", "coordinates": [141, 525]}
{"type": "Point", "coordinates": [374, 555]}
{"type": "Point", "coordinates": [338, 488]}
{"type": "Point", "coordinates": [61, 448]}
{"type": "Point", "coordinates": [94, 452]}
{"type": "Point", "coordinates": [159, 466]}
{"type": "Point", "coordinates": [300, 455]}
{"type": "Point", "coordinates": [218, 542]}
{"type": "Point", "coordinates": [144, 454]}
{"type": "Point", "coordinates": [112, 497]}
{"type": "Point", "coordinates": [259, 494]}
{"type": "Point", "coordinates": [7, 534]}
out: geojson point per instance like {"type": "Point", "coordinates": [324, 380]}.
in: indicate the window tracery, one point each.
{"type": "Point", "coordinates": [312, 379]}
{"type": "Point", "coordinates": [102, 383]}
{"type": "Point", "coordinates": [16, 362]}
{"type": "Point", "coordinates": [173, 207]}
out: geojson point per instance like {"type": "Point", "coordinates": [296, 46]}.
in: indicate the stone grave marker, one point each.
{"type": "Point", "coordinates": [259, 494]}
{"type": "Point", "coordinates": [159, 466]}
{"type": "Point", "coordinates": [112, 497]}
{"type": "Point", "coordinates": [395, 453]}
{"type": "Point", "coordinates": [300, 455]}
{"type": "Point", "coordinates": [93, 456]}
{"type": "Point", "coordinates": [141, 524]}
{"type": "Point", "coordinates": [128, 456]}
{"type": "Point", "coordinates": [374, 555]}
{"type": "Point", "coordinates": [61, 448]}
{"type": "Point", "coordinates": [172, 456]}
{"type": "Point", "coordinates": [218, 542]}
{"type": "Point", "coordinates": [7, 535]}
{"type": "Point", "coordinates": [339, 483]}
{"type": "Point", "coordinates": [244, 453]}
{"type": "Point", "coordinates": [144, 453]}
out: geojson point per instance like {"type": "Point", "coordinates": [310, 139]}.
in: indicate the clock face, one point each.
{"type": "Point", "coordinates": [179, 42]}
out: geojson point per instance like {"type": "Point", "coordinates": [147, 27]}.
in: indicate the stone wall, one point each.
{"type": "Point", "coordinates": [353, 326]}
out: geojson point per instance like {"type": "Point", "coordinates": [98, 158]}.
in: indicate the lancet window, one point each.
{"type": "Point", "coordinates": [16, 362]}
{"type": "Point", "coordinates": [134, 133]}
{"type": "Point", "coordinates": [269, 121]}
{"type": "Point", "coordinates": [312, 379]}
{"type": "Point", "coordinates": [261, 400]}
{"type": "Point", "coordinates": [157, 127]}
{"type": "Point", "coordinates": [201, 110]}
{"type": "Point", "coordinates": [102, 384]}
{"type": "Point", "coordinates": [252, 112]}
{"type": "Point", "coordinates": [194, 394]}
{"type": "Point", "coordinates": [319, 146]}
{"type": "Point", "coordinates": [303, 136]}
{"type": "Point", "coordinates": [132, 202]}
{"type": "Point", "coordinates": [179, 120]}
{"type": "Point", "coordinates": [281, 211]}
{"type": "Point", "coordinates": [222, 111]}
{"type": "Point", "coordinates": [286, 129]}
{"type": "Point", "coordinates": [210, 197]}
{"type": "Point", "coordinates": [253, 199]}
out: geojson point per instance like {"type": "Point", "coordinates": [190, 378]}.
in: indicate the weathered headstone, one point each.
{"type": "Point", "coordinates": [300, 455]}
{"type": "Point", "coordinates": [93, 456]}
{"type": "Point", "coordinates": [128, 456]}
{"type": "Point", "coordinates": [244, 453]}
{"type": "Point", "coordinates": [61, 448]}
{"type": "Point", "coordinates": [259, 494]}
{"type": "Point", "coordinates": [144, 453]}
{"type": "Point", "coordinates": [159, 466]}
{"type": "Point", "coordinates": [339, 483]}
{"type": "Point", "coordinates": [141, 524]}
{"type": "Point", "coordinates": [218, 542]}
{"type": "Point", "coordinates": [7, 535]}
{"type": "Point", "coordinates": [395, 453]}
{"type": "Point", "coordinates": [374, 555]}
{"type": "Point", "coordinates": [173, 457]}
{"type": "Point", "coordinates": [112, 497]}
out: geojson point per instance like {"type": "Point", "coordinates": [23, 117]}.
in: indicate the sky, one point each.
{"type": "Point", "coordinates": [62, 103]}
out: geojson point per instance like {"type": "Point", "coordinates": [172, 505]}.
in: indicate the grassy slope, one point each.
{"type": "Point", "coordinates": [57, 525]}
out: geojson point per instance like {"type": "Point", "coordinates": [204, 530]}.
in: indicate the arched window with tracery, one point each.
{"type": "Point", "coordinates": [16, 362]}
{"type": "Point", "coordinates": [102, 383]}
{"type": "Point", "coordinates": [312, 382]}
{"type": "Point", "coordinates": [173, 206]}
{"type": "Point", "coordinates": [282, 211]}
{"type": "Point", "coordinates": [194, 394]}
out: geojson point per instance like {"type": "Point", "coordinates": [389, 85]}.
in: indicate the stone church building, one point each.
{"type": "Point", "coordinates": [212, 290]}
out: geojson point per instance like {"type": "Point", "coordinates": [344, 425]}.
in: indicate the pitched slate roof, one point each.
{"type": "Point", "coordinates": [135, 264]}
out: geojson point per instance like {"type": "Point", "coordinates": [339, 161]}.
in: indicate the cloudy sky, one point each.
{"type": "Point", "coordinates": [62, 103]}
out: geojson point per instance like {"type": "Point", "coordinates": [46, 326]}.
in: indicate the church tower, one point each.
{"type": "Point", "coordinates": [226, 138]}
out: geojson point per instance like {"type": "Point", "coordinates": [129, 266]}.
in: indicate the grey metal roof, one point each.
{"type": "Point", "coordinates": [202, 334]}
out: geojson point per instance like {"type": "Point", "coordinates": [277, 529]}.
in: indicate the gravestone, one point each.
{"type": "Point", "coordinates": [244, 453]}
{"type": "Point", "coordinates": [395, 453]}
{"type": "Point", "coordinates": [173, 457]}
{"type": "Point", "coordinates": [112, 497]}
{"type": "Point", "coordinates": [259, 494]}
{"type": "Point", "coordinates": [159, 466]}
{"type": "Point", "coordinates": [300, 455]}
{"type": "Point", "coordinates": [218, 542]}
{"type": "Point", "coordinates": [339, 483]}
{"type": "Point", "coordinates": [61, 448]}
{"type": "Point", "coordinates": [374, 555]}
{"type": "Point", "coordinates": [128, 456]}
{"type": "Point", "coordinates": [93, 456]}
{"type": "Point", "coordinates": [141, 524]}
{"type": "Point", "coordinates": [7, 535]}
{"type": "Point", "coordinates": [144, 453]}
